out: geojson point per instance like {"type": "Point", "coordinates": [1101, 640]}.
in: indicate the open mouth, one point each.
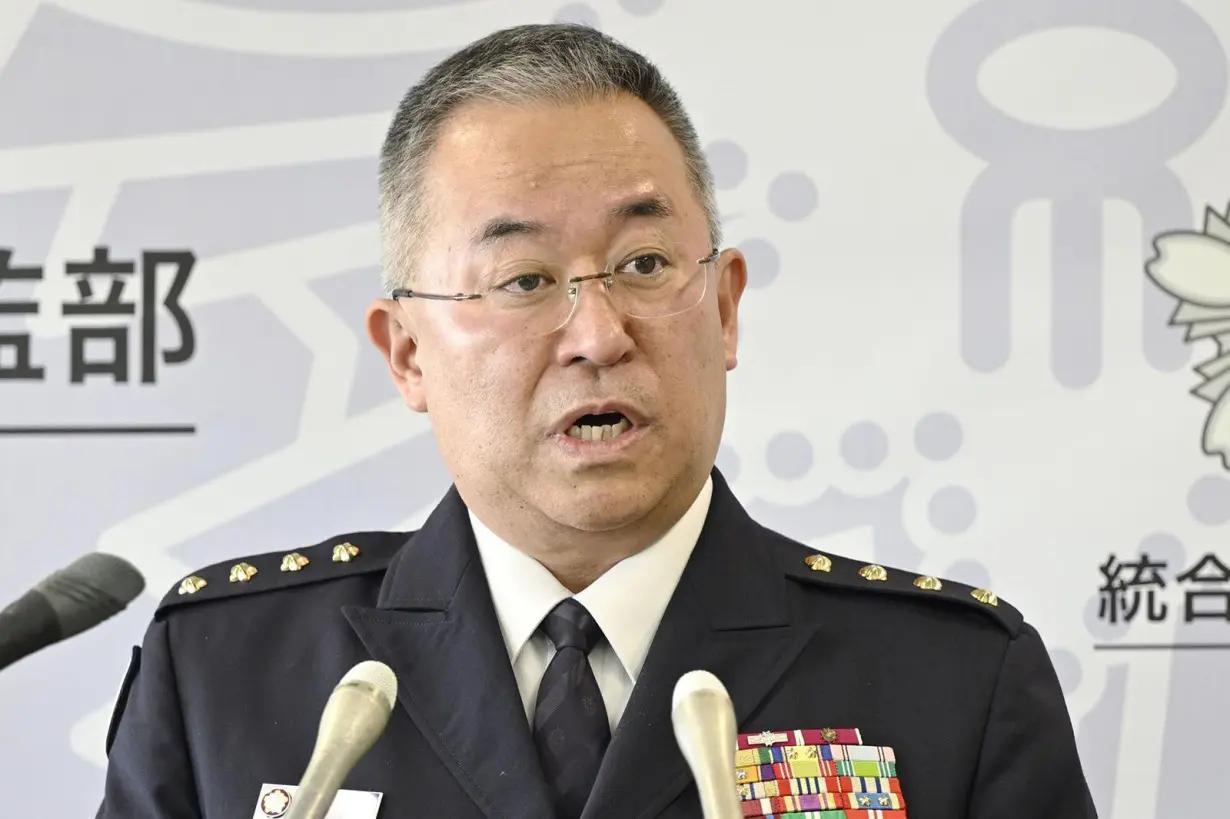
{"type": "Point", "coordinates": [603, 426]}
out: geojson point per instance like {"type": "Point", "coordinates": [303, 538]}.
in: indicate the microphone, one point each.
{"type": "Point", "coordinates": [704, 721]}
{"type": "Point", "coordinates": [354, 717]}
{"type": "Point", "coordinates": [93, 588]}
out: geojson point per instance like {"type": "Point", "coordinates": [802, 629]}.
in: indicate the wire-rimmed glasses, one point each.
{"type": "Point", "coordinates": [539, 299]}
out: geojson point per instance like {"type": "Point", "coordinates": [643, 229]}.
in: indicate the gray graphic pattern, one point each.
{"type": "Point", "coordinates": [1076, 171]}
{"type": "Point", "coordinates": [578, 13]}
{"type": "Point", "coordinates": [865, 446]}
{"type": "Point", "coordinates": [245, 387]}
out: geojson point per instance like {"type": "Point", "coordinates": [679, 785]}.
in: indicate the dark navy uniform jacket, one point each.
{"type": "Point", "coordinates": [227, 689]}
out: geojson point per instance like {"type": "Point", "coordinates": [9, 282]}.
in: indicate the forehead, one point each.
{"type": "Point", "coordinates": [566, 167]}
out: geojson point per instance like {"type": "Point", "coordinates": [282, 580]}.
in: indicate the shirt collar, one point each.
{"type": "Point", "coordinates": [523, 591]}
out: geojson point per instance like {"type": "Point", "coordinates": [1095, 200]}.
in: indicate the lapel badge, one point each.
{"type": "Point", "coordinates": [275, 803]}
{"type": "Point", "coordinates": [767, 738]}
{"type": "Point", "coordinates": [805, 736]}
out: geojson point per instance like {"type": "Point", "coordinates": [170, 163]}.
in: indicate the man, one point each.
{"type": "Point", "coordinates": [560, 306]}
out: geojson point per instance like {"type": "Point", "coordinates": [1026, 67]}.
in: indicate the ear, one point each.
{"type": "Point", "coordinates": [731, 280]}
{"type": "Point", "coordinates": [388, 326]}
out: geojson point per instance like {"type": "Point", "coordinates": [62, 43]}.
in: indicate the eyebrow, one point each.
{"type": "Point", "coordinates": [654, 206]}
{"type": "Point", "coordinates": [495, 230]}
{"type": "Point", "coordinates": [503, 227]}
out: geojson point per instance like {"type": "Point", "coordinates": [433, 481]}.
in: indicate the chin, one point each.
{"type": "Point", "coordinates": [594, 503]}
{"type": "Point", "coordinates": [601, 520]}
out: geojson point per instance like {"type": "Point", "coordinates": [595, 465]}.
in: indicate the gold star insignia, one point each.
{"type": "Point", "coordinates": [192, 585]}
{"type": "Point", "coordinates": [345, 552]}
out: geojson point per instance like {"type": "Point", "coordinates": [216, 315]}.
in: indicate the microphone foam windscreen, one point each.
{"type": "Point", "coordinates": [92, 588]}
{"type": "Point", "coordinates": [108, 574]}
{"type": "Point", "coordinates": [376, 674]}
{"type": "Point", "coordinates": [695, 682]}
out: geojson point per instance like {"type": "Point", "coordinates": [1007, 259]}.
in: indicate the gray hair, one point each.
{"type": "Point", "coordinates": [560, 63]}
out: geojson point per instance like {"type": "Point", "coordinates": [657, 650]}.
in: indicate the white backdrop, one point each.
{"type": "Point", "coordinates": [953, 358]}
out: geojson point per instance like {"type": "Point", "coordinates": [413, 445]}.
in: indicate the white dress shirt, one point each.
{"type": "Point", "coordinates": [627, 602]}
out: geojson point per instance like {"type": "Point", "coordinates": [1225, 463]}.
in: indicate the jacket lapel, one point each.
{"type": "Point", "coordinates": [435, 626]}
{"type": "Point", "coordinates": [727, 616]}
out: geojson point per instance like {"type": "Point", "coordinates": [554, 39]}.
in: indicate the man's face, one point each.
{"type": "Point", "coordinates": [572, 189]}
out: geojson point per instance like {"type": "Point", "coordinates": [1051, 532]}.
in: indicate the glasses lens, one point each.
{"type": "Point", "coordinates": [678, 288]}
{"type": "Point", "coordinates": [640, 289]}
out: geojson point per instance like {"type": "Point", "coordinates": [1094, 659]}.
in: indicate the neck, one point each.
{"type": "Point", "coordinates": [578, 557]}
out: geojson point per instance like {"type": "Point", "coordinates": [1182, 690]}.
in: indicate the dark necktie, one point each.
{"type": "Point", "coordinates": [571, 728]}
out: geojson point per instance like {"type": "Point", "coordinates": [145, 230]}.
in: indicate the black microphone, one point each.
{"type": "Point", "coordinates": [89, 590]}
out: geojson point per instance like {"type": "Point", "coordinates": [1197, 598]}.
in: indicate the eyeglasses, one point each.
{"type": "Point", "coordinates": [539, 299]}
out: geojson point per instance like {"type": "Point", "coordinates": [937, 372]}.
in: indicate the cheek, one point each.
{"type": "Point", "coordinates": [707, 345]}
{"type": "Point", "coordinates": [688, 360]}
{"type": "Point", "coordinates": [480, 378]}
{"type": "Point", "coordinates": [708, 379]}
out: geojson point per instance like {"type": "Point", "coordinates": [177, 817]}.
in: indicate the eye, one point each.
{"type": "Point", "coordinates": [645, 265]}
{"type": "Point", "coordinates": [524, 283]}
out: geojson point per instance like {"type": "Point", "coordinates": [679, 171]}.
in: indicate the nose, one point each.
{"type": "Point", "coordinates": [596, 330]}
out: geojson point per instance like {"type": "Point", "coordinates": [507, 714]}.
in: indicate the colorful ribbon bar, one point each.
{"type": "Point", "coordinates": [806, 768]}
{"type": "Point", "coordinates": [822, 802]}
{"type": "Point", "coordinates": [815, 784]}
{"type": "Point", "coordinates": [840, 814]}
{"type": "Point", "coordinates": [823, 773]}
{"type": "Point", "coordinates": [794, 753]}
{"type": "Point", "coordinates": [806, 736]}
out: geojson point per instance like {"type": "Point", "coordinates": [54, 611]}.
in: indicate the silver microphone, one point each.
{"type": "Point", "coordinates": [704, 721]}
{"type": "Point", "coordinates": [354, 717]}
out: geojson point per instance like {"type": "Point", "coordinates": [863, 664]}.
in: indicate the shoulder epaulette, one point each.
{"type": "Point", "coordinates": [340, 556]}
{"type": "Point", "coordinates": [834, 570]}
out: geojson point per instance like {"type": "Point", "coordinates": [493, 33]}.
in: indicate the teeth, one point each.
{"type": "Point", "coordinates": [587, 432]}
